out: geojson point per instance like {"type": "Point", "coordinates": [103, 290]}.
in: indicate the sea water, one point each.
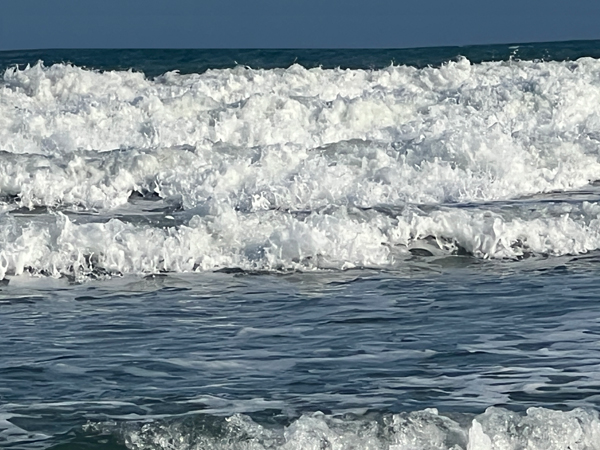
{"type": "Point", "coordinates": [300, 249]}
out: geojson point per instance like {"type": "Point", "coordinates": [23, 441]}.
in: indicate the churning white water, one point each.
{"type": "Point", "coordinates": [296, 168]}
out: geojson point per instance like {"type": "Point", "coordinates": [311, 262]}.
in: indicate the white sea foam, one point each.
{"type": "Point", "coordinates": [274, 240]}
{"type": "Point", "coordinates": [460, 132]}
{"type": "Point", "coordinates": [496, 429]}
{"type": "Point", "coordinates": [296, 168]}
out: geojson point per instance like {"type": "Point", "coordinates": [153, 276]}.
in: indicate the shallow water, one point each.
{"type": "Point", "coordinates": [357, 346]}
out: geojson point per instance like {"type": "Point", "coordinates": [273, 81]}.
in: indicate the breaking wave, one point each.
{"type": "Point", "coordinates": [496, 429]}
{"type": "Point", "coordinates": [296, 169]}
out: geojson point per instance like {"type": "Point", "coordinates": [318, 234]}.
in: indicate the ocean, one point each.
{"type": "Point", "coordinates": [301, 249]}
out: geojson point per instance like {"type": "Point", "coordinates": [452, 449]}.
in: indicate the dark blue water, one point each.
{"type": "Point", "coordinates": [403, 356]}
{"type": "Point", "coordinates": [156, 62]}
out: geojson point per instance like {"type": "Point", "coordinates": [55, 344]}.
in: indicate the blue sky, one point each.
{"type": "Point", "coordinates": [27, 24]}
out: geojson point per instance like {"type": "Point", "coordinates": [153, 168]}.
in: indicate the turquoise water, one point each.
{"type": "Point", "coordinates": [300, 249]}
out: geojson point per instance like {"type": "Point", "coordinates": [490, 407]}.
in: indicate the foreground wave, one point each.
{"type": "Point", "coordinates": [496, 429]}
{"type": "Point", "coordinates": [105, 173]}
